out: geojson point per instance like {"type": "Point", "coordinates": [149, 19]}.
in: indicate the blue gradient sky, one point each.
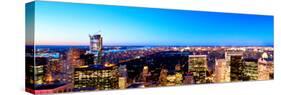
{"type": "Point", "coordinates": [70, 23]}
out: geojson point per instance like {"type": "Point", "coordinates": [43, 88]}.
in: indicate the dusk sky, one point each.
{"type": "Point", "coordinates": [70, 24]}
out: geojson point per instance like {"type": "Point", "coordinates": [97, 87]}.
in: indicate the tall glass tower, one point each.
{"type": "Point", "coordinates": [96, 47]}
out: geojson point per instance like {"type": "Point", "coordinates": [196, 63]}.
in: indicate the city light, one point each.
{"type": "Point", "coordinates": [100, 47]}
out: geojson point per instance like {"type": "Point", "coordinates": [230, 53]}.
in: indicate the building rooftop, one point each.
{"type": "Point", "coordinates": [95, 67]}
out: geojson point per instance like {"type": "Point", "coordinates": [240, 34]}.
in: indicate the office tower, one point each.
{"type": "Point", "coordinates": [263, 69]}
{"type": "Point", "coordinates": [122, 82]}
{"type": "Point", "coordinates": [122, 70]}
{"type": "Point", "coordinates": [55, 66]}
{"type": "Point", "coordinates": [95, 43]}
{"type": "Point", "coordinates": [43, 81]}
{"type": "Point", "coordinates": [95, 77]}
{"type": "Point", "coordinates": [222, 71]}
{"type": "Point", "coordinates": [250, 69]}
{"type": "Point", "coordinates": [74, 57]}
{"type": "Point", "coordinates": [236, 68]}
{"type": "Point", "coordinates": [233, 58]}
{"type": "Point", "coordinates": [29, 72]}
{"type": "Point", "coordinates": [163, 77]}
{"type": "Point", "coordinates": [66, 74]}
{"type": "Point", "coordinates": [96, 48]}
{"type": "Point", "coordinates": [29, 67]}
{"type": "Point", "coordinates": [198, 67]}
{"type": "Point", "coordinates": [59, 68]}
{"type": "Point", "coordinates": [270, 65]}
{"type": "Point", "coordinates": [40, 70]}
{"type": "Point", "coordinates": [89, 59]}
{"type": "Point", "coordinates": [231, 52]}
{"type": "Point", "coordinates": [145, 73]}
{"type": "Point", "coordinates": [265, 66]}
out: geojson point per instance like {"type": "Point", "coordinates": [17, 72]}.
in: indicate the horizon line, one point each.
{"type": "Point", "coordinates": [161, 45]}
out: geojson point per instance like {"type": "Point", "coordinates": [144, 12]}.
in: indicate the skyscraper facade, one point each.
{"type": "Point", "coordinates": [95, 77]}
{"type": "Point", "coordinates": [222, 71]}
{"type": "Point", "coordinates": [198, 67]}
{"type": "Point", "coordinates": [236, 68]}
{"type": "Point", "coordinates": [96, 47]}
{"type": "Point", "coordinates": [250, 69]}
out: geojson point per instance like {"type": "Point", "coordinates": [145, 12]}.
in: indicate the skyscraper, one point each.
{"type": "Point", "coordinates": [231, 52]}
{"type": "Point", "coordinates": [262, 70]}
{"type": "Point", "coordinates": [198, 67]}
{"type": "Point", "coordinates": [95, 43]}
{"type": "Point", "coordinates": [233, 57]}
{"type": "Point", "coordinates": [236, 68]}
{"type": "Point", "coordinates": [122, 70]}
{"type": "Point", "coordinates": [145, 73]}
{"type": "Point", "coordinates": [222, 71]}
{"type": "Point", "coordinates": [96, 47]}
{"type": "Point", "coordinates": [40, 70]}
{"type": "Point", "coordinates": [122, 82]}
{"type": "Point", "coordinates": [73, 57]}
{"type": "Point", "coordinates": [250, 69]}
{"type": "Point", "coordinates": [95, 77]}
{"type": "Point", "coordinates": [163, 77]}
{"type": "Point", "coordinates": [265, 67]}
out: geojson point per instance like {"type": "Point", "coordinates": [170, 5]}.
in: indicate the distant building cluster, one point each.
{"type": "Point", "coordinates": [65, 69]}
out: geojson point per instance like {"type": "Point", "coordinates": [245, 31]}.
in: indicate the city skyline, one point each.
{"type": "Point", "coordinates": [87, 47]}
{"type": "Point", "coordinates": [71, 23]}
